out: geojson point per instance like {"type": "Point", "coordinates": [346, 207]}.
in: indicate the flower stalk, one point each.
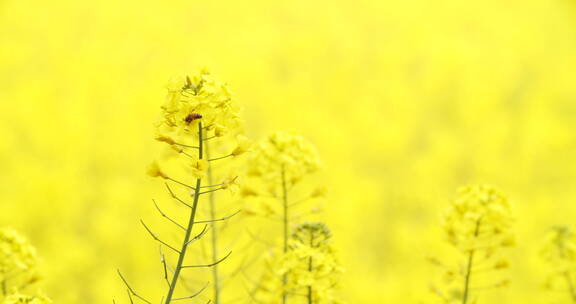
{"type": "Point", "coordinates": [285, 219]}
{"type": "Point", "coordinates": [214, 238]}
{"type": "Point", "coordinates": [478, 224]}
{"type": "Point", "coordinates": [191, 218]}
{"type": "Point", "coordinates": [197, 109]}
{"type": "Point", "coordinates": [470, 264]}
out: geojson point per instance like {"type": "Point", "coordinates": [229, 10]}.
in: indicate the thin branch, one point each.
{"type": "Point", "coordinates": [181, 183]}
{"type": "Point", "coordinates": [199, 235]}
{"type": "Point", "coordinates": [210, 186]}
{"type": "Point", "coordinates": [192, 296]}
{"type": "Point", "coordinates": [130, 296]}
{"type": "Point", "coordinates": [156, 238]}
{"type": "Point", "coordinates": [186, 146]}
{"type": "Point", "coordinates": [221, 157]}
{"type": "Point", "coordinates": [219, 219]}
{"type": "Point", "coordinates": [163, 261]}
{"type": "Point", "coordinates": [213, 190]}
{"type": "Point", "coordinates": [209, 265]}
{"type": "Point", "coordinates": [189, 155]}
{"type": "Point", "coordinates": [131, 291]}
{"type": "Point", "coordinates": [167, 217]}
{"type": "Point", "coordinates": [176, 197]}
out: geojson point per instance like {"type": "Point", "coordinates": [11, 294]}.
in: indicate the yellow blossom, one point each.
{"type": "Point", "coordinates": [243, 146]}
{"type": "Point", "coordinates": [478, 223]}
{"type": "Point", "coordinates": [165, 139]}
{"type": "Point", "coordinates": [155, 171]}
{"type": "Point", "coordinates": [26, 299]}
{"type": "Point", "coordinates": [283, 153]}
{"type": "Point", "coordinates": [319, 192]}
{"type": "Point", "coordinates": [194, 98]}
{"type": "Point", "coordinates": [230, 183]}
{"type": "Point", "coordinates": [559, 252]}
{"type": "Point", "coordinates": [198, 168]}
{"type": "Point", "coordinates": [479, 217]}
{"type": "Point", "coordinates": [16, 254]}
{"type": "Point", "coordinates": [310, 266]}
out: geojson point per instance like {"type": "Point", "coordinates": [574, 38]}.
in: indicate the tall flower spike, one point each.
{"type": "Point", "coordinates": [478, 223]}
{"type": "Point", "coordinates": [311, 268]}
{"type": "Point", "coordinates": [199, 119]}
{"type": "Point", "coordinates": [560, 253]}
{"type": "Point", "coordinates": [275, 166]}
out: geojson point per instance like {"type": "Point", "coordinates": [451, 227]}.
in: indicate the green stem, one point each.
{"type": "Point", "coordinates": [186, 240]}
{"type": "Point", "coordinates": [310, 267]}
{"type": "Point", "coordinates": [468, 275]}
{"type": "Point", "coordinates": [212, 200]}
{"type": "Point", "coordinates": [286, 232]}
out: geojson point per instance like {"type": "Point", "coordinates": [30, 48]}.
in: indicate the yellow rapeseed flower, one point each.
{"type": "Point", "coordinates": [310, 267]}
{"type": "Point", "coordinates": [197, 97]}
{"type": "Point", "coordinates": [560, 253]}
{"type": "Point", "coordinates": [17, 268]}
{"type": "Point", "coordinates": [154, 170]}
{"type": "Point", "coordinates": [26, 299]}
{"type": "Point", "coordinates": [284, 153]}
{"type": "Point", "coordinates": [16, 254]}
{"type": "Point", "coordinates": [478, 223]}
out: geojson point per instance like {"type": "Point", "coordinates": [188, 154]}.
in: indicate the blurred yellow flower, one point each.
{"type": "Point", "coordinates": [199, 167]}
{"type": "Point", "coordinates": [478, 223]}
{"type": "Point", "coordinates": [243, 146]}
{"type": "Point", "coordinates": [154, 170]}
{"type": "Point", "coordinates": [16, 254]}
{"type": "Point", "coordinates": [17, 268]}
{"type": "Point", "coordinates": [480, 217]}
{"type": "Point", "coordinates": [26, 299]}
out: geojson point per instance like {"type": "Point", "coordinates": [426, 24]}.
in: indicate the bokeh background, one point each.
{"type": "Point", "coordinates": [405, 100]}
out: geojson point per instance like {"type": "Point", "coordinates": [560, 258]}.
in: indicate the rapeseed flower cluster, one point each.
{"type": "Point", "coordinates": [283, 156]}
{"type": "Point", "coordinates": [275, 166]}
{"type": "Point", "coordinates": [478, 223]}
{"type": "Point", "coordinates": [560, 253]}
{"type": "Point", "coordinates": [310, 266]}
{"type": "Point", "coordinates": [201, 125]}
{"type": "Point", "coordinates": [25, 299]}
{"type": "Point", "coordinates": [197, 94]}
{"type": "Point", "coordinates": [18, 261]}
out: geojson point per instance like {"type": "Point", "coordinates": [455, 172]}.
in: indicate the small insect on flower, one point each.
{"type": "Point", "coordinates": [191, 117]}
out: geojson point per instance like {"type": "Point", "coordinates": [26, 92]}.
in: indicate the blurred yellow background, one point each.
{"type": "Point", "coordinates": [405, 100]}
